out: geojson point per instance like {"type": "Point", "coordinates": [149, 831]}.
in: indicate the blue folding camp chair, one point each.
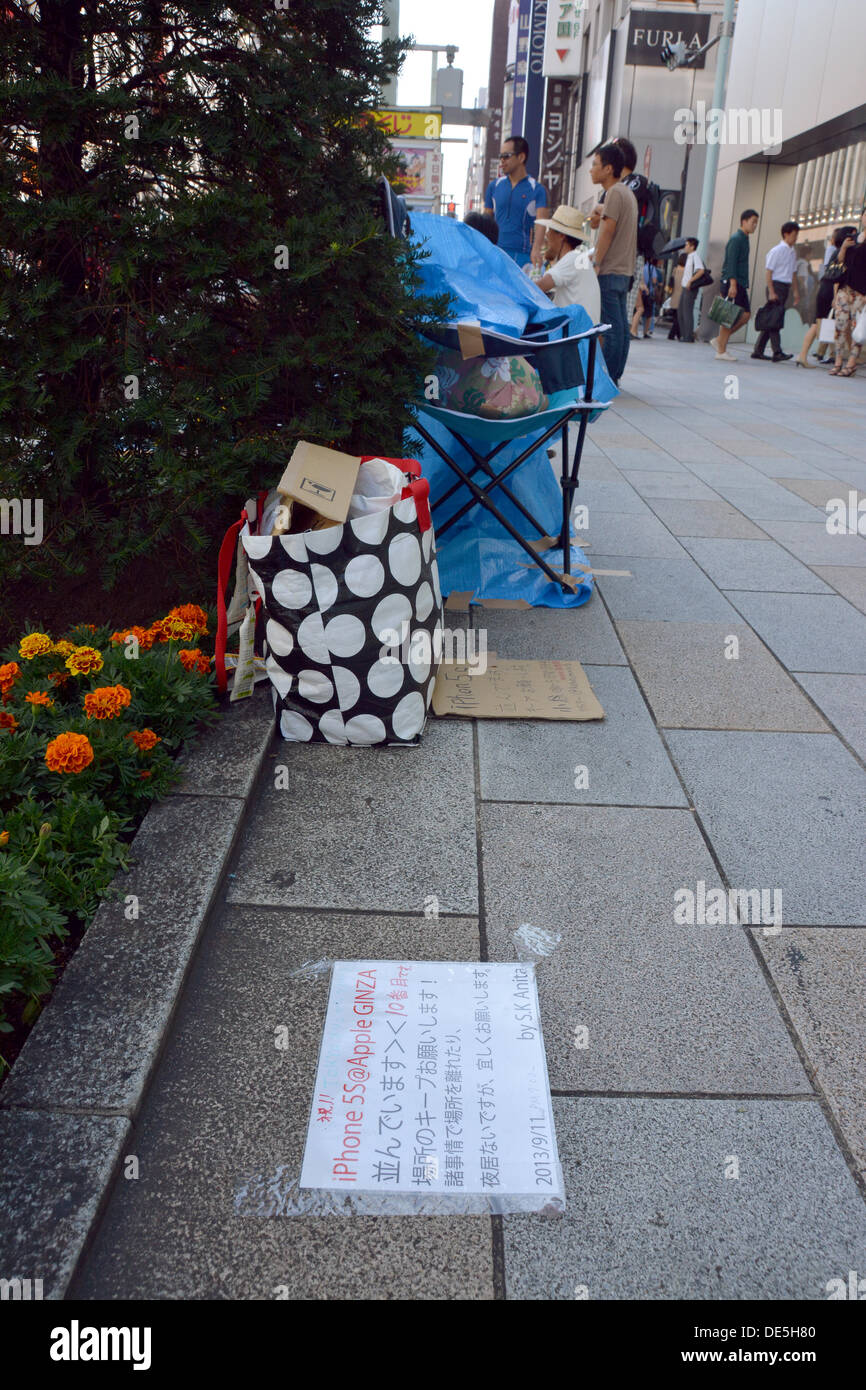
{"type": "Point", "coordinates": [556, 355]}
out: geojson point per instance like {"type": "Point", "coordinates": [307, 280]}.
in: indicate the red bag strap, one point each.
{"type": "Point", "coordinates": [228, 550]}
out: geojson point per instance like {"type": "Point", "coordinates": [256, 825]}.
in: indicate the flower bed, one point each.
{"type": "Point", "coordinates": [89, 726]}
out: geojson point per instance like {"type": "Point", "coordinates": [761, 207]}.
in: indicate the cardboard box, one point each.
{"type": "Point", "coordinates": [322, 479]}
{"type": "Point", "coordinates": [516, 690]}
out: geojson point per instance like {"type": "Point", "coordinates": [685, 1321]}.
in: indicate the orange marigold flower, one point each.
{"type": "Point", "coordinates": [8, 675]}
{"type": "Point", "coordinates": [106, 702]}
{"type": "Point", "coordinates": [38, 697]}
{"type": "Point", "coordinates": [144, 775]}
{"type": "Point", "coordinates": [143, 635]}
{"type": "Point", "coordinates": [58, 677]}
{"type": "Point", "coordinates": [84, 660]}
{"type": "Point", "coordinates": [69, 753]}
{"type": "Point", "coordinates": [172, 629]}
{"type": "Point", "coordinates": [191, 659]}
{"type": "Point", "coordinates": [8, 721]}
{"type": "Point", "coordinates": [144, 739]}
{"type": "Point", "coordinates": [193, 615]}
{"type": "Point", "coordinates": [63, 648]}
{"type": "Point", "coordinates": [4, 837]}
{"type": "Point", "coordinates": [34, 644]}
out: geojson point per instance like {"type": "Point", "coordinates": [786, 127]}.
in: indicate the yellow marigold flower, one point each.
{"type": "Point", "coordinates": [173, 630]}
{"type": "Point", "coordinates": [63, 648]}
{"type": "Point", "coordinates": [69, 753]}
{"type": "Point", "coordinates": [192, 614]}
{"type": "Point", "coordinates": [144, 739]}
{"type": "Point", "coordinates": [35, 644]}
{"type": "Point", "coordinates": [38, 697]}
{"type": "Point", "coordinates": [84, 661]}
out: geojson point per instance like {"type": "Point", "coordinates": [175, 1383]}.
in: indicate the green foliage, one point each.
{"type": "Point", "coordinates": [159, 349]}
{"type": "Point", "coordinates": [64, 833]}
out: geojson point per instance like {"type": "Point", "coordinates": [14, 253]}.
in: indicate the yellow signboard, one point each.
{"type": "Point", "coordinates": [411, 125]}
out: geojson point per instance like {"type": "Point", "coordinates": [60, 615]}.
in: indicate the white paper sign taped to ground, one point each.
{"type": "Point", "coordinates": [432, 1081]}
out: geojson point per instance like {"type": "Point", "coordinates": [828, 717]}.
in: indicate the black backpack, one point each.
{"type": "Point", "coordinates": [649, 235]}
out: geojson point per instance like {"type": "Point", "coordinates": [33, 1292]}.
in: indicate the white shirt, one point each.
{"type": "Point", "coordinates": [693, 265]}
{"type": "Point", "coordinates": [782, 262]}
{"type": "Point", "coordinates": [574, 282]}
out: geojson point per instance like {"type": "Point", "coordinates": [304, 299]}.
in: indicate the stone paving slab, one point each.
{"type": "Point", "coordinates": [843, 700]}
{"type": "Point", "coordinates": [665, 590]}
{"type": "Point", "coordinates": [757, 565]}
{"type": "Point", "coordinates": [584, 634]}
{"type": "Point", "coordinates": [53, 1172]}
{"type": "Point", "coordinates": [536, 759]}
{"type": "Point", "coordinates": [96, 1044]}
{"type": "Point", "coordinates": [671, 485]}
{"type": "Point", "coordinates": [632, 535]}
{"type": "Point", "coordinates": [651, 1215]}
{"type": "Point", "coordinates": [772, 467]}
{"type": "Point", "coordinates": [782, 811]}
{"type": "Point", "coordinates": [573, 869]}
{"type": "Point", "coordinates": [376, 828]}
{"type": "Point", "coordinates": [227, 1120]}
{"type": "Point", "coordinates": [690, 684]}
{"type": "Point", "coordinates": [730, 471]}
{"type": "Point", "coordinates": [811, 542]}
{"type": "Point", "coordinates": [227, 761]}
{"type": "Point", "coordinates": [720, 519]}
{"type": "Point", "coordinates": [848, 580]}
{"type": "Point", "coordinates": [807, 632]}
{"type": "Point", "coordinates": [821, 975]}
{"type": "Point", "coordinates": [768, 502]}
{"type": "Point", "coordinates": [616, 497]}
{"type": "Point", "coordinates": [817, 491]}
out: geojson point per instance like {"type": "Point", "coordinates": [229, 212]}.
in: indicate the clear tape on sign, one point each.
{"type": "Point", "coordinates": [280, 1194]}
{"type": "Point", "coordinates": [311, 970]}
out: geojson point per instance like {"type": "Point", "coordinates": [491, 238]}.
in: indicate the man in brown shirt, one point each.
{"type": "Point", "coordinates": [615, 253]}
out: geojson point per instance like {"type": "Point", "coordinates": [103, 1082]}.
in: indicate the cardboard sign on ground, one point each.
{"type": "Point", "coordinates": [323, 479]}
{"type": "Point", "coordinates": [517, 690]}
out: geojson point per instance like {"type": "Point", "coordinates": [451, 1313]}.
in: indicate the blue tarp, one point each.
{"type": "Point", "coordinates": [476, 555]}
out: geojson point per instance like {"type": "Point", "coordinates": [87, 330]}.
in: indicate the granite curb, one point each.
{"type": "Point", "coordinates": [69, 1107]}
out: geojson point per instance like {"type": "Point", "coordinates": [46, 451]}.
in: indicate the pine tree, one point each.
{"type": "Point", "coordinates": [192, 273]}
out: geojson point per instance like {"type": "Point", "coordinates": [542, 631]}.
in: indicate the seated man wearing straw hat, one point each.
{"type": "Point", "coordinates": [570, 275]}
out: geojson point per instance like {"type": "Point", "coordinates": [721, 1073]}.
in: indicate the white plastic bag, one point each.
{"type": "Point", "coordinates": [827, 331]}
{"type": "Point", "coordinates": [858, 333]}
{"type": "Point", "coordinates": [379, 485]}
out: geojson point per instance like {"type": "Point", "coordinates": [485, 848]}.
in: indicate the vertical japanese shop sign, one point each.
{"type": "Point", "coordinates": [521, 68]}
{"type": "Point", "coordinates": [432, 1079]}
{"type": "Point", "coordinates": [533, 111]}
{"type": "Point", "coordinates": [553, 144]}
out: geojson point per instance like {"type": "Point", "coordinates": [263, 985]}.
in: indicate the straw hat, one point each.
{"type": "Point", "coordinates": [567, 220]}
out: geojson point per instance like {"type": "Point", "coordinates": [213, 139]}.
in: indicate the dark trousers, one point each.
{"type": "Point", "coordinates": [675, 325]}
{"type": "Point", "coordinates": [686, 315]}
{"type": "Point", "coordinates": [782, 290]}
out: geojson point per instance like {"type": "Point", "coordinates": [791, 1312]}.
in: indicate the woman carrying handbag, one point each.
{"type": "Point", "coordinates": [832, 276]}
{"type": "Point", "coordinates": [850, 300]}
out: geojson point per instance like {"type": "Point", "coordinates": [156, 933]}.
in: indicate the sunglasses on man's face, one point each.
{"type": "Point", "coordinates": [507, 154]}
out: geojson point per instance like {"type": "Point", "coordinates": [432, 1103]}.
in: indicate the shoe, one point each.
{"type": "Point", "coordinates": [714, 343]}
{"type": "Point", "coordinates": [810, 366]}
{"type": "Point", "coordinates": [725, 357]}
{"type": "Point", "coordinates": [782, 356]}
{"type": "Point", "coordinates": [759, 356]}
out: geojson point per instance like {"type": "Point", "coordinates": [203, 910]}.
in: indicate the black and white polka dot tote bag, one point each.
{"type": "Point", "coordinates": [351, 614]}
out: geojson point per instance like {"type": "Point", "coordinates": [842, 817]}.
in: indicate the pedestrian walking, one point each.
{"type": "Point", "coordinates": [824, 298]}
{"type": "Point", "coordinates": [735, 281]}
{"type": "Point", "coordinates": [615, 254]}
{"type": "Point", "coordinates": [514, 199]}
{"type": "Point", "coordinates": [850, 300]}
{"type": "Point", "coordinates": [780, 271]}
{"type": "Point", "coordinates": [694, 271]}
{"type": "Point", "coordinates": [676, 289]}
{"type": "Point", "coordinates": [645, 308]}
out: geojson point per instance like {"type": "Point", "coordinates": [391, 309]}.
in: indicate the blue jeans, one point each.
{"type": "Point", "coordinates": [614, 291]}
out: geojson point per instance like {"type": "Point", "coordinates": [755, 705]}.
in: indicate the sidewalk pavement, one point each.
{"type": "Point", "coordinates": [712, 1050]}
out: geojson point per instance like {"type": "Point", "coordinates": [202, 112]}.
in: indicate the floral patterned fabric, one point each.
{"type": "Point", "coordinates": [497, 388]}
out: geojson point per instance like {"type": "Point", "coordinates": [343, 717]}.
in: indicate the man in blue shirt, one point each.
{"type": "Point", "coordinates": [514, 199]}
